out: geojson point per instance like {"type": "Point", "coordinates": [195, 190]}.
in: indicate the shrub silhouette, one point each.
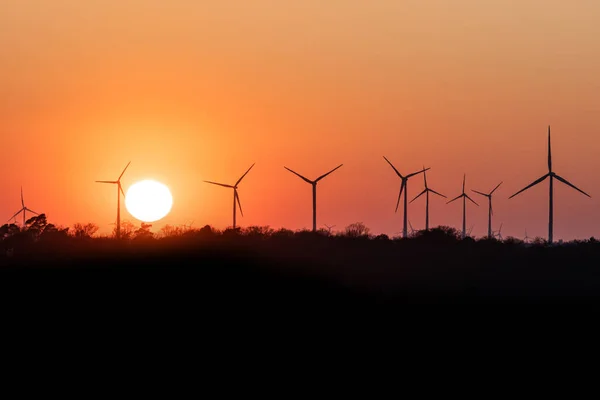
{"type": "Point", "coordinates": [356, 229]}
{"type": "Point", "coordinates": [244, 263]}
{"type": "Point", "coordinates": [87, 230]}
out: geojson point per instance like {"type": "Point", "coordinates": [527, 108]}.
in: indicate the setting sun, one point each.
{"type": "Point", "coordinates": [148, 200]}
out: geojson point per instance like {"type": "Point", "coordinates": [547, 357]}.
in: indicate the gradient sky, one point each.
{"type": "Point", "coordinates": [191, 90]}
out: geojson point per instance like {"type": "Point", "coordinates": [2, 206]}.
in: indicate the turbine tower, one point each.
{"type": "Point", "coordinates": [236, 197]}
{"type": "Point", "coordinates": [119, 192]}
{"type": "Point", "coordinates": [464, 197]}
{"type": "Point", "coordinates": [426, 193]}
{"type": "Point", "coordinates": [491, 211]}
{"type": "Point", "coordinates": [23, 209]}
{"type": "Point", "coordinates": [404, 187]}
{"type": "Point", "coordinates": [552, 176]}
{"type": "Point", "coordinates": [314, 191]}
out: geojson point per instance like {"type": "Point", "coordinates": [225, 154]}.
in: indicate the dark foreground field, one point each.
{"type": "Point", "coordinates": [301, 270]}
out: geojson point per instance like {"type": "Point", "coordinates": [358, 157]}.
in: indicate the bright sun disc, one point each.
{"type": "Point", "coordinates": [148, 200]}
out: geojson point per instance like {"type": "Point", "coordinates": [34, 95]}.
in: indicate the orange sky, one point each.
{"type": "Point", "coordinates": [191, 90]}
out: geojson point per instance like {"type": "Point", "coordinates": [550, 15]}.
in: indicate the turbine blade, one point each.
{"type": "Point", "coordinates": [220, 184]}
{"type": "Point", "coordinates": [324, 175]}
{"type": "Point", "coordinates": [417, 173]}
{"type": "Point", "coordinates": [237, 198]}
{"type": "Point", "coordinates": [31, 211]}
{"type": "Point", "coordinates": [549, 152]}
{"type": "Point", "coordinates": [530, 185]}
{"type": "Point", "coordinates": [492, 192]}
{"type": "Point", "coordinates": [124, 170]}
{"type": "Point", "coordinates": [121, 189]}
{"type": "Point", "coordinates": [419, 195]}
{"type": "Point", "coordinates": [22, 201]}
{"type": "Point", "coordinates": [301, 177]}
{"type": "Point", "coordinates": [563, 180]}
{"type": "Point", "coordinates": [107, 182]}
{"type": "Point", "coordinates": [17, 213]}
{"type": "Point", "coordinates": [400, 194]}
{"type": "Point", "coordinates": [391, 165]}
{"type": "Point", "coordinates": [473, 201]}
{"type": "Point", "coordinates": [454, 199]}
{"type": "Point", "coordinates": [425, 177]}
{"type": "Point", "coordinates": [239, 180]}
{"type": "Point", "coordinates": [439, 194]}
{"type": "Point", "coordinates": [464, 179]}
{"type": "Point", "coordinates": [478, 192]}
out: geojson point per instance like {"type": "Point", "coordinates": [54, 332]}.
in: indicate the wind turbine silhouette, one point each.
{"type": "Point", "coordinates": [119, 192]}
{"type": "Point", "coordinates": [426, 192]}
{"type": "Point", "coordinates": [491, 211]}
{"type": "Point", "coordinates": [526, 238]}
{"type": "Point", "coordinates": [464, 197]}
{"type": "Point", "coordinates": [329, 227]}
{"type": "Point", "coordinates": [404, 187]}
{"type": "Point", "coordinates": [236, 197]}
{"type": "Point", "coordinates": [412, 230]}
{"type": "Point", "coordinates": [23, 210]}
{"type": "Point", "coordinates": [314, 191]}
{"type": "Point", "coordinates": [552, 176]}
{"type": "Point", "coordinates": [499, 234]}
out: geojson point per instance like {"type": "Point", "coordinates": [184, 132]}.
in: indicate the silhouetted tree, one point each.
{"type": "Point", "coordinates": [255, 231]}
{"type": "Point", "coordinates": [127, 230]}
{"type": "Point", "coordinates": [382, 237]}
{"type": "Point", "coordinates": [8, 230]}
{"type": "Point", "coordinates": [143, 232]}
{"type": "Point", "coordinates": [283, 233]}
{"type": "Point", "coordinates": [171, 231]}
{"type": "Point", "coordinates": [356, 229]}
{"type": "Point", "coordinates": [84, 230]}
{"type": "Point", "coordinates": [35, 225]}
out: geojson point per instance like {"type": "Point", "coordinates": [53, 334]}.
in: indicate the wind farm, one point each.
{"type": "Point", "coordinates": [185, 109]}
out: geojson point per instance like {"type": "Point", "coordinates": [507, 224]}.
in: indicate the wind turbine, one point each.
{"type": "Point", "coordinates": [412, 230]}
{"type": "Point", "coordinates": [526, 238]}
{"type": "Point", "coordinates": [464, 197]}
{"type": "Point", "coordinates": [552, 176]}
{"type": "Point", "coordinates": [23, 210]}
{"type": "Point", "coordinates": [426, 192]}
{"type": "Point", "coordinates": [236, 197]}
{"type": "Point", "coordinates": [404, 187]}
{"type": "Point", "coordinates": [491, 211]}
{"type": "Point", "coordinates": [499, 234]}
{"type": "Point", "coordinates": [314, 191]}
{"type": "Point", "coordinates": [329, 228]}
{"type": "Point", "coordinates": [119, 192]}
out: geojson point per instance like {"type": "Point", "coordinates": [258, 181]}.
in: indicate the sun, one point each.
{"type": "Point", "coordinates": [148, 200]}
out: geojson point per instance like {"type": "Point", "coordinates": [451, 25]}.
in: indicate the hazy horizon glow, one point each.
{"type": "Point", "coordinates": [193, 90]}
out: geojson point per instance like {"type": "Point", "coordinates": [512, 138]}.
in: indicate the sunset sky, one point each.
{"type": "Point", "coordinates": [192, 90]}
